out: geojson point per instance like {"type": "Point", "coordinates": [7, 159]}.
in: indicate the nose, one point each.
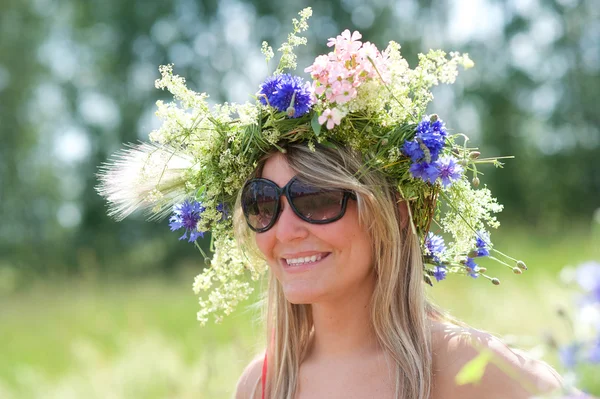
{"type": "Point", "coordinates": [289, 226]}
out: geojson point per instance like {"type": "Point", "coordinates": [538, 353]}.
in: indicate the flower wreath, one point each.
{"type": "Point", "coordinates": [369, 100]}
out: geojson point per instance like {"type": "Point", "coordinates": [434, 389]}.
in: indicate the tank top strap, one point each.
{"type": "Point", "coordinates": [263, 378]}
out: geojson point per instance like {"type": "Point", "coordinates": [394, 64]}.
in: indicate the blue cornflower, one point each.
{"type": "Point", "coordinates": [413, 150]}
{"type": "Point", "coordinates": [281, 89]}
{"type": "Point", "coordinates": [448, 170]}
{"type": "Point", "coordinates": [472, 267]}
{"type": "Point", "coordinates": [424, 171]}
{"type": "Point", "coordinates": [267, 89]}
{"type": "Point", "coordinates": [435, 246]}
{"type": "Point", "coordinates": [186, 215]}
{"type": "Point", "coordinates": [430, 134]}
{"type": "Point", "coordinates": [482, 239]}
{"type": "Point", "coordinates": [439, 272]}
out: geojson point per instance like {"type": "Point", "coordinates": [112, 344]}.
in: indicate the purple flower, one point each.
{"type": "Point", "coordinates": [472, 267]}
{"type": "Point", "coordinates": [413, 150]}
{"type": "Point", "coordinates": [568, 355]}
{"type": "Point", "coordinates": [448, 170]}
{"type": "Point", "coordinates": [588, 278]}
{"type": "Point", "coordinates": [594, 353]}
{"type": "Point", "coordinates": [424, 171]}
{"type": "Point", "coordinates": [430, 134]}
{"type": "Point", "coordinates": [482, 239]}
{"type": "Point", "coordinates": [435, 246]}
{"type": "Point", "coordinates": [281, 89]}
{"type": "Point", "coordinates": [439, 272]}
{"type": "Point", "coordinates": [186, 215]}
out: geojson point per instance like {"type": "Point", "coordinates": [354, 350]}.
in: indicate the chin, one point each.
{"type": "Point", "coordinates": [301, 295]}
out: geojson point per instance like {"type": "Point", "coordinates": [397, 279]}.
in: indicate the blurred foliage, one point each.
{"type": "Point", "coordinates": [76, 80]}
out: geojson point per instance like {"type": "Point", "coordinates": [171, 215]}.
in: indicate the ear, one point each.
{"type": "Point", "coordinates": [403, 212]}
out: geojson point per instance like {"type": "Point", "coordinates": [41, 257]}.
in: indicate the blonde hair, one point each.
{"type": "Point", "coordinates": [399, 308]}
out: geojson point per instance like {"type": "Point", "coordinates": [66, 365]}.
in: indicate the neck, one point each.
{"type": "Point", "coordinates": [343, 327]}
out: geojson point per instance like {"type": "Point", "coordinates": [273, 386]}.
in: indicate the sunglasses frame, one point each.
{"type": "Point", "coordinates": [285, 191]}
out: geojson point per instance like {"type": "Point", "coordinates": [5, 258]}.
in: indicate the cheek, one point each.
{"type": "Point", "coordinates": [264, 243]}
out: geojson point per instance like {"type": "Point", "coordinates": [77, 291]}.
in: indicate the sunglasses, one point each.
{"type": "Point", "coordinates": [261, 202]}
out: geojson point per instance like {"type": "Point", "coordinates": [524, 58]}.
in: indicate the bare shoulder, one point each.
{"type": "Point", "coordinates": [510, 373]}
{"type": "Point", "coordinates": [248, 386]}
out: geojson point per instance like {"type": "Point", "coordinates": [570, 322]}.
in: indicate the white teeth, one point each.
{"type": "Point", "coordinates": [302, 261]}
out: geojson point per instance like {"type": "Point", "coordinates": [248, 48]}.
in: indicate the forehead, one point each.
{"type": "Point", "coordinates": [277, 170]}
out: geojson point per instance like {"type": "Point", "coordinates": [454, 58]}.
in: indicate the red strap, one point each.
{"type": "Point", "coordinates": [263, 378]}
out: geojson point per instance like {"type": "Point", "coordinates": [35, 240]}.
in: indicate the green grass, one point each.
{"type": "Point", "coordinates": [140, 338]}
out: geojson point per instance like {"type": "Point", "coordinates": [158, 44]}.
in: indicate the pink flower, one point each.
{"type": "Point", "coordinates": [318, 67]}
{"type": "Point", "coordinates": [337, 72]}
{"type": "Point", "coordinates": [342, 92]}
{"type": "Point", "coordinates": [332, 117]}
{"type": "Point", "coordinates": [346, 44]}
{"type": "Point", "coordinates": [320, 88]}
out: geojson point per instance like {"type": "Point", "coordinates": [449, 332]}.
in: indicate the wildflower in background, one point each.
{"type": "Point", "coordinates": [594, 352]}
{"type": "Point", "coordinates": [186, 215]}
{"type": "Point", "coordinates": [286, 92]}
{"type": "Point", "coordinates": [568, 355]}
{"type": "Point", "coordinates": [448, 170]}
{"type": "Point", "coordinates": [588, 278]}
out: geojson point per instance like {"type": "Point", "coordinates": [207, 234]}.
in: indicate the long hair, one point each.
{"type": "Point", "coordinates": [399, 308]}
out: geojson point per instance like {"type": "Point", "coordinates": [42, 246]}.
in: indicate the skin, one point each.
{"type": "Point", "coordinates": [344, 359]}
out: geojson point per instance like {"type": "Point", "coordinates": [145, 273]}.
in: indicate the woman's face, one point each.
{"type": "Point", "coordinates": [315, 262]}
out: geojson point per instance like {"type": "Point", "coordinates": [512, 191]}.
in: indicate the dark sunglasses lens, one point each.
{"type": "Point", "coordinates": [259, 202]}
{"type": "Point", "coordinates": [316, 204]}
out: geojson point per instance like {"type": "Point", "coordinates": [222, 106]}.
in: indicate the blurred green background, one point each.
{"type": "Point", "coordinates": [93, 308]}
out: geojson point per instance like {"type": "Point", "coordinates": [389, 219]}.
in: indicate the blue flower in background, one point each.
{"type": "Point", "coordinates": [588, 278]}
{"type": "Point", "coordinates": [448, 170]}
{"type": "Point", "coordinates": [439, 272]}
{"type": "Point", "coordinates": [279, 91]}
{"type": "Point", "coordinates": [594, 353]}
{"type": "Point", "coordinates": [568, 355]}
{"type": "Point", "coordinates": [186, 215]}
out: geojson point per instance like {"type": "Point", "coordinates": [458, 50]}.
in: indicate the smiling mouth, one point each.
{"type": "Point", "coordinates": [305, 260]}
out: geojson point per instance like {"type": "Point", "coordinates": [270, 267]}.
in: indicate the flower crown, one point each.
{"type": "Point", "coordinates": [359, 97]}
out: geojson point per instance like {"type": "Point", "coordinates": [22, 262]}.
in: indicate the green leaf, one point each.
{"type": "Point", "coordinates": [472, 371]}
{"type": "Point", "coordinates": [328, 144]}
{"type": "Point", "coordinates": [314, 123]}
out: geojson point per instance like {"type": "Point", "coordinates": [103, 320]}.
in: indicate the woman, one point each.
{"type": "Point", "coordinates": [349, 179]}
{"type": "Point", "coordinates": [346, 301]}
